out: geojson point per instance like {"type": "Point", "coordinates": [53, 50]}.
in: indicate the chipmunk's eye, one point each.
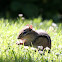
{"type": "Point", "coordinates": [24, 32]}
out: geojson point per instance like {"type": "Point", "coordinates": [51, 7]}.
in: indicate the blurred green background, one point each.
{"type": "Point", "coordinates": [47, 9]}
{"type": "Point", "coordinates": [42, 14]}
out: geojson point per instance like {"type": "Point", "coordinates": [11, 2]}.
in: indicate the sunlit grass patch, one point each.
{"type": "Point", "coordinates": [11, 52]}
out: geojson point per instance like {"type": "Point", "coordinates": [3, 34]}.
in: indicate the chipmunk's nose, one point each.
{"type": "Point", "coordinates": [18, 37]}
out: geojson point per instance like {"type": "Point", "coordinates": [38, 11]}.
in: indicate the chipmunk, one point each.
{"type": "Point", "coordinates": [28, 36]}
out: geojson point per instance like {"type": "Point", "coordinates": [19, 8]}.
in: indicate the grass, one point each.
{"type": "Point", "coordinates": [10, 52]}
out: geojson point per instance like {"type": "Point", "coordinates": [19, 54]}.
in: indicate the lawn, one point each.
{"type": "Point", "coordinates": [11, 52]}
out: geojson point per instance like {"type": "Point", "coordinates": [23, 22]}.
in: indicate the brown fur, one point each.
{"type": "Point", "coordinates": [37, 38]}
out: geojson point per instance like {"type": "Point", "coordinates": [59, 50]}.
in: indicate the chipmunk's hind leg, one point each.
{"type": "Point", "coordinates": [43, 41]}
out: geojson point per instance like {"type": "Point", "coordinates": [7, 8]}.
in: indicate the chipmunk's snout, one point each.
{"type": "Point", "coordinates": [18, 37]}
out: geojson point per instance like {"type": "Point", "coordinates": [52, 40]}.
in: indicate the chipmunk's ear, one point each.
{"type": "Point", "coordinates": [27, 25]}
{"type": "Point", "coordinates": [31, 27]}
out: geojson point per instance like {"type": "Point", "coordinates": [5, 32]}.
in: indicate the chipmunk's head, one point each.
{"type": "Point", "coordinates": [25, 31]}
{"type": "Point", "coordinates": [23, 34]}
